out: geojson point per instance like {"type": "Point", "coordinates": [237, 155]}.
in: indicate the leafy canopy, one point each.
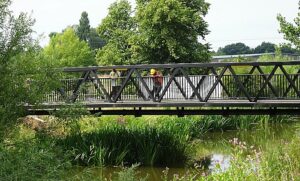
{"type": "Point", "coordinates": [23, 76]}
{"type": "Point", "coordinates": [88, 34]}
{"type": "Point", "coordinates": [83, 29]}
{"type": "Point", "coordinates": [161, 31]}
{"type": "Point", "coordinates": [171, 31]}
{"type": "Point", "coordinates": [235, 49]}
{"type": "Point", "coordinates": [66, 50]}
{"type": "Point", "coordinates": [291, 31]}
{"type": "Point", "coordinates": [265, 47]}
{"type": "Point", "coordinates": [117, 29]}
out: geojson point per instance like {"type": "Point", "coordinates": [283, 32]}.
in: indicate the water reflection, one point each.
{"type": "Point", "coordinates": [219, 163]}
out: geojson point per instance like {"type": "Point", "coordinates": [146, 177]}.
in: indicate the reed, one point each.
{"type": "Point", "coordinates": [119, 145]}
{"type": "Point", "coordinates": [150, 141]}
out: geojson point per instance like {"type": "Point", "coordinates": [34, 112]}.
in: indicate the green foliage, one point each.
{"type": "Point", "coordinates": [83, 29]}
{"type": "Point", "coordinates": [235, 49]}
{"type": "Point", "coordinates": [15, 33]}
{"type": "Point", "coordinates": [288, 49]}
{"type": "Point", "coordinates": [277, 57]}
{"type": "Point", "coordinates": [116, 29]}
{"type": "Point", "coordinates": [94, 40]}
{"type": "Point", "coordinates": [291, 31]}
{"type": "Point", "coordinates": [115, 144]}
{"type": "Point", "coordinates": [265, 47]}
{"type": "Point", "coordinates": [169, 31]}
{"type": "Point", "coordinates": [250, 163]}
{"type": "Point", "coordinates": [26, 156]}
{"type": "Point", "coordinates": [151, 141]}
{"type": "Point", "coordinates": [66, 50]}
{"type": "Point", "coordinates": [88, 34]}
{"type": "Point", "coordinates": [129, 174]}
{"type": "Point", "coordinates": [69, 116]}
{"type": "Point", "coordinates": [24, 77]}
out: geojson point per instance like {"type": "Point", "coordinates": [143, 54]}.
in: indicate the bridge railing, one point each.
{"type": "Point", "coordinates": [182, 82]}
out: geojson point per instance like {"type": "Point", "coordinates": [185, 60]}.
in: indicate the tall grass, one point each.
{"type": "Point", "coordinates": [150, 141]}
{"type": "Point", "coordinates": [117, 145]}
{"type": "Point", "coordinates": [157, 141]}
{"type": "Point", "coordinates": [26, 156]}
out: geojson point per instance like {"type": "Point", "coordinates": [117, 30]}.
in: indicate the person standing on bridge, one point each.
{"type": "Point", "coordinates": [157, 82]}
{"type": "Point", "coordinates": [114, 75]}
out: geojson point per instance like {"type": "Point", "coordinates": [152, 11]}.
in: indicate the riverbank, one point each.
{"type": "Point", "coordinates": [150, 141]}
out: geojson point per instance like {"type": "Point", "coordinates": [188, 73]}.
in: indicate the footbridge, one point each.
{"type": "Point", "coordinates": [184, 89]}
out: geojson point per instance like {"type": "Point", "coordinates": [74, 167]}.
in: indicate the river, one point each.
{"type": "Point", "coordinates": [213, 150]}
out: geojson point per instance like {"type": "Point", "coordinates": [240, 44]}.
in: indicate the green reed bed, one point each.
{"type": "Point", "coordinates": [149, 141]}
{"type": "Point", "coordinates": [248, 163]}
{"type": "Point", "coordinates": [117, 144]}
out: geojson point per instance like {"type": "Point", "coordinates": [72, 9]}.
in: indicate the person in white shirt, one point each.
{"type": "Point", "coordinates": [114, 75]}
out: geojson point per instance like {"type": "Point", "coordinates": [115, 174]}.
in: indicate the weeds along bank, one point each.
{"type": "Point", "coordinates": [29, 155]}
{"type": "Point", "coordinates": [150, 140]}
{"type": "Point", "coordinates": [157, 141]}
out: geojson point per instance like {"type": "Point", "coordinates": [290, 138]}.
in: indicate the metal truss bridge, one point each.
{"type": "Point", "coordinates": [186, 89]}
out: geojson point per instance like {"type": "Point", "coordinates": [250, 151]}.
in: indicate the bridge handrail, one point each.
{"type": "Point", "coordinates": [178, 65]}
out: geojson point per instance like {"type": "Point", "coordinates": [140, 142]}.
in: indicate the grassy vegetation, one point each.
{"type": "Point", "coordinates": [149, 141]}
{"type": "Point", "coordinates": [51, 152]}
{"type": "Point", "coordinates": [251, 163]}
{"type": "Point", "coordinates": [25, 155]}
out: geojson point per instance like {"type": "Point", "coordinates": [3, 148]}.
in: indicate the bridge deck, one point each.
{"type": "Point", "coordinates": [190, 103]}
{"type": "Point", "coordinates": [181, 108]}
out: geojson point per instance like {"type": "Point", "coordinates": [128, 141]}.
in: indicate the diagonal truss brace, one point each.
{"type": "Point", "coordinates": [290, 86]}
{"type": "Point", "coordinates": [241, 86]}
{"type": "Point", "coordinates": [290, 80]}
{"type": "Point", "coordinates": [219, 77]}
{"type": "Point", "coordinates": [101, 87]}
{"type": "Point", "coordinates": [266, 83]}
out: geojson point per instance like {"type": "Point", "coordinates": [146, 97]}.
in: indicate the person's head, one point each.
{"type": "Point", "coordinates": [152, 71]}
{"type": "Point", "coordinates": [114, 70]}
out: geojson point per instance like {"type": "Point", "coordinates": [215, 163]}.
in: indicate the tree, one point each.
{"type": "Point", "coordinates": [66, 50]}
{"type": "Point", "coordinates": [116, 29]}
{"type": "Point", "coordinates": [19, 66]}
{"type": "Point", "coordinates": [95, 41]}
{"type": "Point", "coordinates": [291, 31]}
{"type": "Point", "coordinates": [52, 34]}
{"type": "Point", "coordinates": [288, 49]}
{"type": "Point", "coordinates": [169, 31]}
{"type": "Point", "coordinates": [88, 34]}
{"type": "Point", "coordinates": [83, 30]}
{"type": "Point", "coordinates": [235, 49]}
{"type": "Point", "coordinates": [265, 47]}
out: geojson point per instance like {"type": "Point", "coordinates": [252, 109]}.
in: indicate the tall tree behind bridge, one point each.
{"type": "Point", "coordinates": [291, 31]}
{"type": "Point", "coordinates": [66, 50]}
{"type": "Point", "coordinates": [83, 30]}
{"type": "Point", "coordinates": [170, 31]}
{"type": "Point", "coordinates": [116, 29]}
{"type": "Point", "coordinates": [88, 34]}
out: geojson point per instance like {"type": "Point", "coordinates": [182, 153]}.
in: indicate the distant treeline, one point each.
{"type": "Point", "coordinates": [264, 47]}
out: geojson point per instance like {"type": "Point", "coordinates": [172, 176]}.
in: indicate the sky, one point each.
{"type": "Point", "coordinates": [230, 21]}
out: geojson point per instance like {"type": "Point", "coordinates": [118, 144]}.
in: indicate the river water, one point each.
{"type": "Point", "coordinates": [213, 150]}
